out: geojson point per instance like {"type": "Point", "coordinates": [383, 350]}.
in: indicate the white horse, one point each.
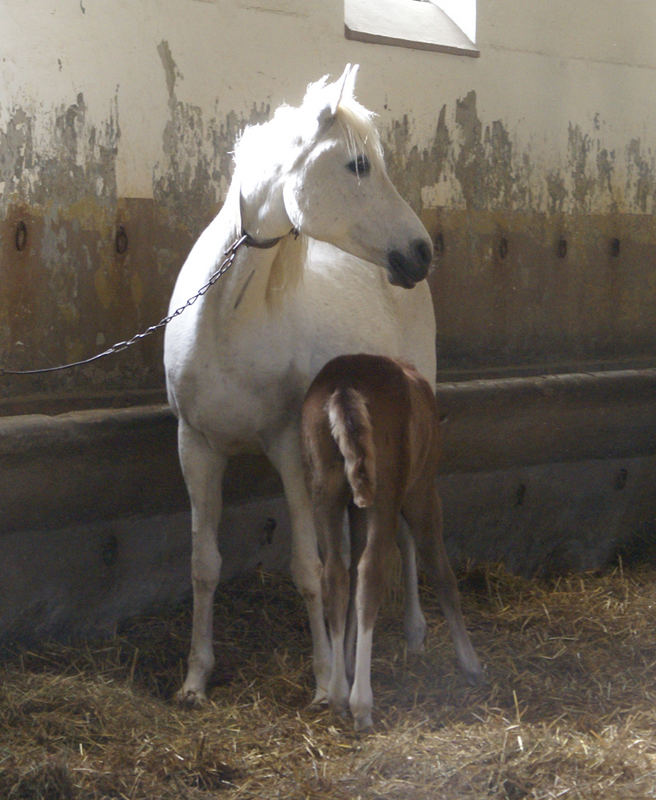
{"type": "Point", "coordinates": [239, 361]}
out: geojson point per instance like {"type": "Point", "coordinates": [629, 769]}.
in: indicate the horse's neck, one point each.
{"type": "Point", "coordinates": [259, 278]}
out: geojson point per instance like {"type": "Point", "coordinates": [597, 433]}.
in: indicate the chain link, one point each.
{"type": "Point", "coordinates": [118, 347]}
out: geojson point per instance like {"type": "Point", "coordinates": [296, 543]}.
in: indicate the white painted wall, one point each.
{"type": "Point", "coordinates": [545, 66]}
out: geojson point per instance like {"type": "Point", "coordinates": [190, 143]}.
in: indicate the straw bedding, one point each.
{"type": "Point", "coordinates": [568, 712]}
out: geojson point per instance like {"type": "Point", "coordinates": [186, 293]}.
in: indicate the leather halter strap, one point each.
{"type": "Point", "coordinates": [264, 244]}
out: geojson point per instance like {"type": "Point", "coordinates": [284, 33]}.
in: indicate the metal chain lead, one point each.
{"type": "Point", "coordinates": [118, 347]}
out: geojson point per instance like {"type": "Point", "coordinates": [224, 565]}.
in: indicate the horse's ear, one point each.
{"type": "Point", "coordinates": [343, 87]}
{"type": "Point", "coordinates": [346, 84]}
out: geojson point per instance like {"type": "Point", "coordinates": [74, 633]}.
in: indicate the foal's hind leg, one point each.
{"type": "Point", "coordinates": [381, 530]}
{"type": "Point", "coordinates": [423, 510]}
{"type": "Point", "coordinates": [203, 469]}
{"type": "Point", "coordinates": [328, 515]}
{"type": "Point", "coordinates": [357, 533]}
{"type": "Point", "coordinates": [414, 622]}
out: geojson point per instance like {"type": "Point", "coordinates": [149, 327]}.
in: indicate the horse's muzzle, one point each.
{"type": "Point", "coordinates": [408, 269]}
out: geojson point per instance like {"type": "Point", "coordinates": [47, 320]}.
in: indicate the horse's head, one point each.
{"type": "Point", "coordinates": [329, 182]}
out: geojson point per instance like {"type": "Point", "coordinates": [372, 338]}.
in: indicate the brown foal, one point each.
{"type": "Point", "coordinates": [371, 444]}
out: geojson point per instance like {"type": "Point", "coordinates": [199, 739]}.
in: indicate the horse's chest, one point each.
{"type": "Point", "coordinates": [244, 395]}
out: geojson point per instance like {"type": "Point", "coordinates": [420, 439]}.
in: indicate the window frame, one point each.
{"type": "Point", "coordinates": [417, 24]}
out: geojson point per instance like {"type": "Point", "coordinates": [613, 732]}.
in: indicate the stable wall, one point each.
{"type": "Point", "coordinates": [117, 121]}
{"type": "Point", "coordinates": [532, 167]}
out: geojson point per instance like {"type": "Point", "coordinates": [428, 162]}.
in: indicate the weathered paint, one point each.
{"type": "Point", "coordinates": [197, 164]}
{"type": "Point", "coordinates": [128, 117]}
{"type": "Point", "coordinates": [474, 164]}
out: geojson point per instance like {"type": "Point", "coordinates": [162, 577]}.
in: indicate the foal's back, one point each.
{"type": "Point", "coordinates": [401, 407]}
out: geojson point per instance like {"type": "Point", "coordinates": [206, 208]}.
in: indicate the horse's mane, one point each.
{"type": "Point", "coordinates": [287, 268]}
{"type": "Point", "coordinates": [356, 121]}
{"type": "Point", "coordinates": [296, 127]}
{"type": "Point", "coordinates": [359, 130]}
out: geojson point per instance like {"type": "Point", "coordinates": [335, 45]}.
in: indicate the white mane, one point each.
{"type": "Point", "coordinates": [293, 130]}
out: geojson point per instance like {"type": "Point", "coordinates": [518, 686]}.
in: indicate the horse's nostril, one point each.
{"type": "Point", "coordinates": [423, 252]}
{"type": "Point", "coordinates": [402, 271]}
{"type": "Point", "coordinates": [396, 261]}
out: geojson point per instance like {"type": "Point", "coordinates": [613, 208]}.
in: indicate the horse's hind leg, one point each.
{"type": "Point", "coordinates": [203, 469]}
{"type": "Point", "coordinates": [414, 622]}
{"type": "Point", "coordinates": [423, 511]}
{"type": "Point", "coordinates": [305, 562]}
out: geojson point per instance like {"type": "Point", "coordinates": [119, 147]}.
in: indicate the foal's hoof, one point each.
{"type": "Point", "coordinates": [190, 698]}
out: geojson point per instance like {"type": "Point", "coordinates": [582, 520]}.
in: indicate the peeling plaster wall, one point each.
{"type": "Point", "coordinates": [122, 116]}
{"type": "Point", "coordinates": [534, 169]}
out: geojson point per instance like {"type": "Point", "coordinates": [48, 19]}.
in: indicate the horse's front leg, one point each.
{"type": "Point", "coordinates": [414, 622]}
{"type": "Point", "coordinates": [203, 470]}
{"type": "Point", "coordinates": [423, 511]}
{"type": "Point", "coordinates": [306, 568]}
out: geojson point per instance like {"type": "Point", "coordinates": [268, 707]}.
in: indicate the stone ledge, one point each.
{"type": "Point", "coordinates": [100, 464]}
{"type": "Point", "coordinates": [545, 474]}
{"type": "Point", "coordinates": [499, 423]}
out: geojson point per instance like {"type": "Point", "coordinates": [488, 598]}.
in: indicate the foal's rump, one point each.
{"type": "Point", "coordinates": [356, 417]}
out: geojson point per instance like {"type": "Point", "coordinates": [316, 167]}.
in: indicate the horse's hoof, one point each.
{"type": "Point", "coordinates": [415, 636]}
{"type": "Point", "coordinates": [477, 677]}
{"type": "Point", "coordinates": [320, 697]}
{"type": "Point", "coordinates": [339, 706]}
{"type": "Point", "coordinates": [415, 648]}
{"type": "Point", "coordinates": [190, 698]}
{"type": "Point", "coordinates": [362, 723]}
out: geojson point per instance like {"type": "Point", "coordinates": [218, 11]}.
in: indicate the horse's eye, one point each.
{"type": "Point", "coordinates": [359, 165]}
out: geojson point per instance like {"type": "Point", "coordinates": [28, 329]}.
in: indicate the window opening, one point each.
{"type": "Point", "coordinates": [447, 26]}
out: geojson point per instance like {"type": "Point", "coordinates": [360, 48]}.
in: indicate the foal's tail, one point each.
{"type": "Point", "coordinates": [350, 426]}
